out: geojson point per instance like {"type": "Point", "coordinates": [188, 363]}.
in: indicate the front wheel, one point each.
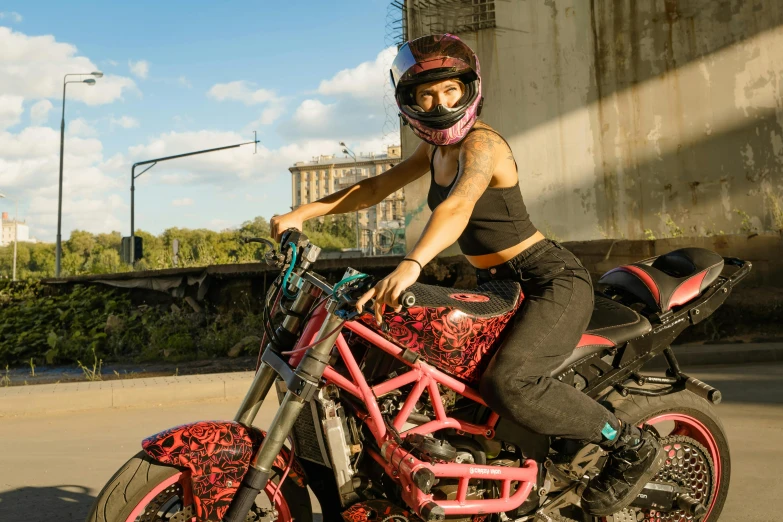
{"type": "Point", "coordinates": [697, 449]}
{"type": "Point", "coordinates": [146, 491]}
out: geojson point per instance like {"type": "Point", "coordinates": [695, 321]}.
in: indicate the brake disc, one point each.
{"type": "Point", "coordinates": [162, 502]}
{"type": "Point", "coordinates": [185, 515]}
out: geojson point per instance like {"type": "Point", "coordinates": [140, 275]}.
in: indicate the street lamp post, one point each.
{"type": "Point", "coordinates": [88, 81]}
{"type": "Point", "coordinates": [348, 151]}
{"type": "Point", "coordinates": [151, 164]}
{"type": "Point", "coordinates": [16, 230]}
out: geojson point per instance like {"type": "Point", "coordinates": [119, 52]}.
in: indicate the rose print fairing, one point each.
{"type": "Point", "coordinates": [459, 338]}
{"type": "Point", "coordinates": [218, 454]}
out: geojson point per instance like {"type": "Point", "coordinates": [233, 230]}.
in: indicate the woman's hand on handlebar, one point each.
{"type": "Point", "coordinates": [283, 222]}
{"type": "Point", "coordinates": [388, 289]}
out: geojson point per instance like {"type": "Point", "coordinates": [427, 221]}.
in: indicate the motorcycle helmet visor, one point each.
{"type": "Point", "coordinates": [408, 70]}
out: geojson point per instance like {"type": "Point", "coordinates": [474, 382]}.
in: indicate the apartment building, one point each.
{"type": "Point", "coordinates": [326, 174]}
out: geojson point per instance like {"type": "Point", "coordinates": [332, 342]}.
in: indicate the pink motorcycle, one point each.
{"type": "Point", "coordinates": [372, 445]}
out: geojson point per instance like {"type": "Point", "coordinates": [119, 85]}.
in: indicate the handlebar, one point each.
{"type": "Point", "coordinates": [408, 299]}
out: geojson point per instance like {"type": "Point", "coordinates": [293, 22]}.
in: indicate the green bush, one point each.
{"type": "Point", "coordinates": [46, 327]}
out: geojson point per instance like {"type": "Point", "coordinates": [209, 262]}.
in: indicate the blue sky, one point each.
{"type": "Point", "coordinates": [179, 77]}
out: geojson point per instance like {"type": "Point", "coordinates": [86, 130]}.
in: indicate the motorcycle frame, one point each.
{"type": "Point", "coordinates": [405, 469]}
{"type": "Point", "coordinates": [323, 332]}
{"type": "Point", "coordinates": [398, 462]}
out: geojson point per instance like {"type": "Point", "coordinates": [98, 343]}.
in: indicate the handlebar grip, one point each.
{"type": "Point", "coordinates": [407, 299]}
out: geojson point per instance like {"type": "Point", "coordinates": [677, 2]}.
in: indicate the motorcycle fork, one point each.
{"type": "Point", "coordinates": [265, 376]}
{"type": "Point", "coordinates": [308, 375]}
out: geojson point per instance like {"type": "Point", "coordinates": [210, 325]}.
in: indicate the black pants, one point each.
{"type": "Point", "coordinates": [546, 329]}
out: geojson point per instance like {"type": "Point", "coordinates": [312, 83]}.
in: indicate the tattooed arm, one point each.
{"type": "Point", "coordinates": [364, 194]}
{"type": "Point", "coordinates": [448, 220]}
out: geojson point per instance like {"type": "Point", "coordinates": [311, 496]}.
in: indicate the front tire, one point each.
{"type": "Point", "coordinates": [692, 424]}
{"type": "Point", "coordinates": [145, 491]}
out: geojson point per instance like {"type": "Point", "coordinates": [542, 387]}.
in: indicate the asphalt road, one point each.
{"type": "Point", "coordinates": [51, 468]}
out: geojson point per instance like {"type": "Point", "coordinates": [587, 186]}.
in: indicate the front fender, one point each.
{"type": "Point", "coordinates": [218, 454]}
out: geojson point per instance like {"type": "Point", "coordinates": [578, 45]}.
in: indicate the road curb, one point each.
{"type": "Point", "coordinates": [42, 399]}
{"type": "Point", "coordinates": [124, 393]}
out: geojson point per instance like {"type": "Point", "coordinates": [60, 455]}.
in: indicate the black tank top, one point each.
{"type": "Point", "coordinates": [499, 219]}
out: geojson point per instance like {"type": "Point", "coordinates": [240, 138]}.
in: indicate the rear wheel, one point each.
{"type": "Point", "coordinates": [146, 491]}
{"type": "Point", "coordinates": [697, 450]}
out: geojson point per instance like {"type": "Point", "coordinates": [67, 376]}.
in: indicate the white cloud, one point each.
{"type": "Point", "coordinates": [184, 202]}
{"type": "Point", "coordinates": [13, 16]}
{"type": "Point", "coordinates": [241, 91]}
{"type": "Point", "coordinates": [126, 122]}
{"type": "Point", "coordinates": [314, 113]}
{"type": "Point", "coordinates": [350, 106]}
{"type": "Point", "coordinates": [29, 167]}
{"type": "Point", "coordinates": [39, 112]}
{"type": "Point", "coordinates": [139, 69]}
{"type": "Point", "coordinates": [183, 81]}
{"type": "Point", "coordinates": [11, 109]}
{"type": "Point", "coordinates": [366, 80]}
{"type": "Point", "coordinates": [34, 66]}
{"type": "Point", "coordinates": [113, 63]}
{"type": "Point", "coordinates": [79, 127]}
{"type": "Point", "coordinates": [270, 114]}
{"type": "Point", "coordinates": [246, 93]}
{"type": "Point", "coordinates": [345, 119]}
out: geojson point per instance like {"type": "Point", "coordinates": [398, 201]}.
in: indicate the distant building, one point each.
{"type": "Point", "coordinates": [7, 235]}
{"type": "Point", "coordinates": [327, 174]}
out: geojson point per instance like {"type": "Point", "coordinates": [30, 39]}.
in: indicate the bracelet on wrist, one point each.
{"type": "Point", "coordinates": [421, 267]}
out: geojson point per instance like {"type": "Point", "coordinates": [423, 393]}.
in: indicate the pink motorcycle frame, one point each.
{"type": "Point", "coordinates": [397, 461]}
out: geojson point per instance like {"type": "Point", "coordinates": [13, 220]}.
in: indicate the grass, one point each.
{"type": "Point", "coordinates": [93, 374]}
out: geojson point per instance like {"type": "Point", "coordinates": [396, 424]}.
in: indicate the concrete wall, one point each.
{"type": "Point", "coordinates": [633, 119]}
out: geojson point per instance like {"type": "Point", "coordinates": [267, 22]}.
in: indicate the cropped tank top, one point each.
{"type": "Point", "coordinates": [499, 219]}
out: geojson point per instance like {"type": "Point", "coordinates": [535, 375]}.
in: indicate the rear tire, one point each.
{"type": "Point", "coordinates": [139, 478]}
{"type": "Point", "coordinates": [690, 416]}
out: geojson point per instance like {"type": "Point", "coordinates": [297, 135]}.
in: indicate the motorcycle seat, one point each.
{"type": "Point", "coordinates": [610, 325]}
{"type": "Point", "coordinates": [666, 281]}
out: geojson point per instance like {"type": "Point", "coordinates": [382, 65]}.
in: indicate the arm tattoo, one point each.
{"type": "Point", "coordinates": [477, 164]}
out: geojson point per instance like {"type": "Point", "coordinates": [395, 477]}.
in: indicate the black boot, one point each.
{"type": "Point", "coordinates": [635, 456]}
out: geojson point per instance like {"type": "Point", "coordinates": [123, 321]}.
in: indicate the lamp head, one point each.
{"type": "Point", "coordinates": [2, 195]}
{"type": "Point", "coordinates": [345, 151]}
{"type": "Point", "coordinates": [342, 144]}
{"type": "Point", "coordinates": [89, 81]}
{"type": "Point", "coordinates": [98, 74]}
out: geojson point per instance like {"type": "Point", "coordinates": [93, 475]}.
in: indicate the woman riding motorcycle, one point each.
{"type": "Point", "coordinates": [476, 200]}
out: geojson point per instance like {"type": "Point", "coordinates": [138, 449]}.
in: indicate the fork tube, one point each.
{"type": "Point", "coordinates": [265, 377]}
{"type": "Point", "coordinates": [310, 370]}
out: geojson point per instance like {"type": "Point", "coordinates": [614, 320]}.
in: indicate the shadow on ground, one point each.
{"type": "Point", "coordinates": [65, 503]}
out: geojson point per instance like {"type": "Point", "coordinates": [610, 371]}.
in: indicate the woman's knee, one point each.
{"type": "Point", "coordinates": [504, 387]}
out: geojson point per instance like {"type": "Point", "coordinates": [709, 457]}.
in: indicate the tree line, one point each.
{"type": "Point", "coordinates": [88, 253]}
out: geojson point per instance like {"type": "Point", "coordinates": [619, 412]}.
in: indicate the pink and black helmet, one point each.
{"type": "Point", "coordinates": [432, 58]}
